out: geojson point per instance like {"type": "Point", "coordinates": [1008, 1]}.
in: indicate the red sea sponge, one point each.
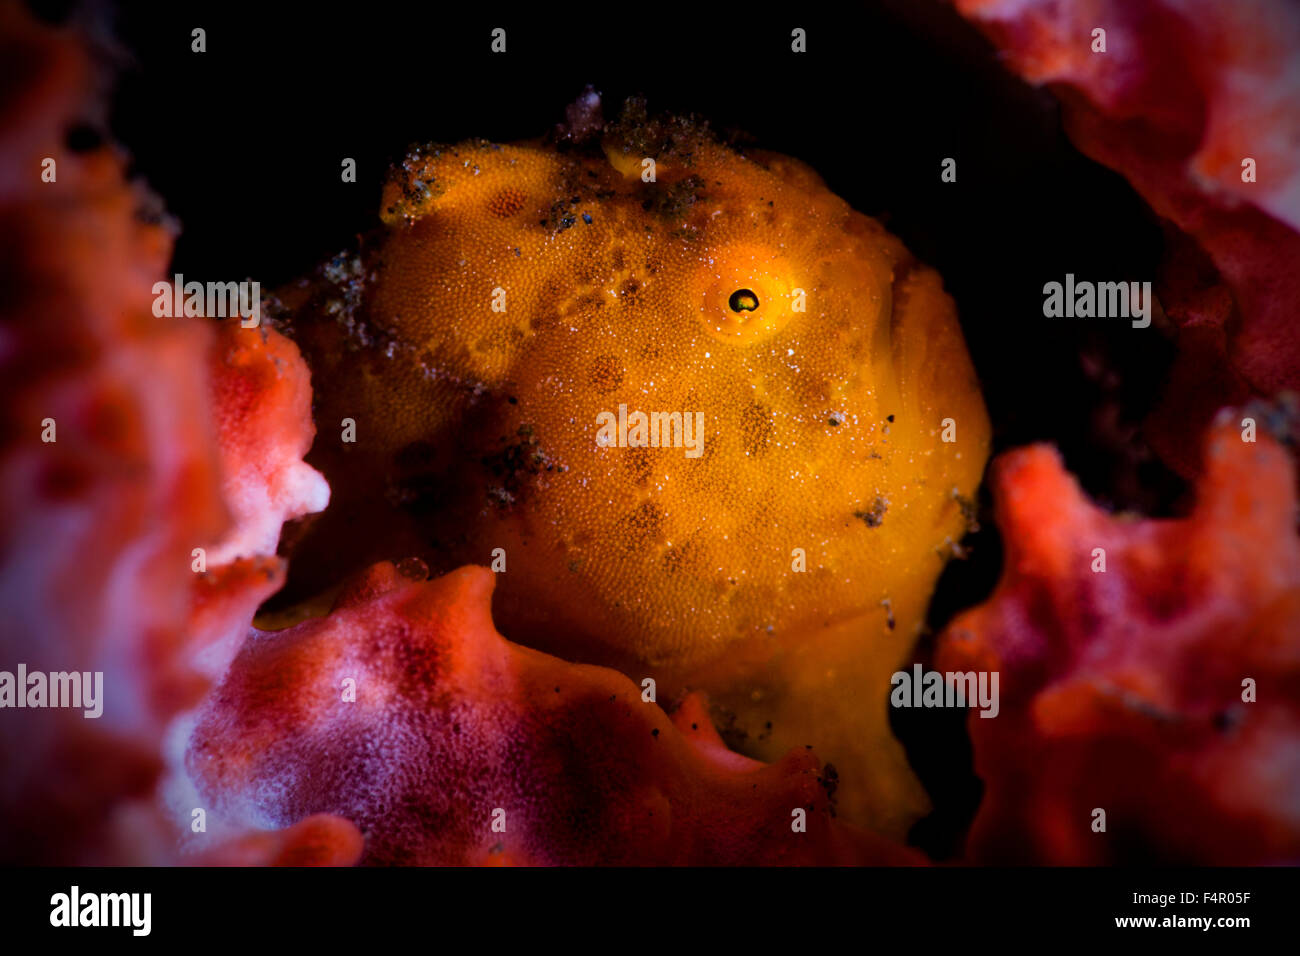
{"type": "Point", "coordinates": [261, 404]}
{"type": "Point", "coordinates": [458, 747]}
{"type": "Point", "coordinates": [98, 522]}
{"type": "Point", "coordinates": [319, 840]}
{"type": "Point", "coordinates": [1185, 92]}
{"type": "Point", "coordinates": [126, 441]}
{"type": "Point", "coordinates": [1164, 690]}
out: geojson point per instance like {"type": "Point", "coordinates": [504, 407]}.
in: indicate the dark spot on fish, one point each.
{"type": "Point", "coordinates": [875, 515]}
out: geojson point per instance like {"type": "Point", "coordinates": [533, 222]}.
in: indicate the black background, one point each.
{"type": "Point", "coordinates": [942, 909]}
{"type": "Point", "coordinates": [244, 142]}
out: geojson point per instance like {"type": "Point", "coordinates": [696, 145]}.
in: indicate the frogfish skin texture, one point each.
{"type": "Point", "coordinates": [458, 747]}
{"type": "Point", "coordinates": [517, 292]}
{"type": "Point", "coordinates": [1125, 690]}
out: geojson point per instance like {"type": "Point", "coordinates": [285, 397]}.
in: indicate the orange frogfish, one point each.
{"type": "Point", "coordinates": [711, 426]}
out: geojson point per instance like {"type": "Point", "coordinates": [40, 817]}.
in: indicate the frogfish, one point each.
{"type": "Point", "coordinates": [710, 426]}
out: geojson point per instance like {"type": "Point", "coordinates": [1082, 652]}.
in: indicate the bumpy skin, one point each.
{"type": "Point", "coordinates": [476, 429]}
{"type": "Point", "coordinates": [1123, 690]}
{"type": "Point", "coordinates": [451, 723]}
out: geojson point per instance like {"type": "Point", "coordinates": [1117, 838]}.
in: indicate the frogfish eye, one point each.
{"type": "Point", "coordinates": [746, 293]}
{"type": "Point", "coordinates": [743, 300]}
